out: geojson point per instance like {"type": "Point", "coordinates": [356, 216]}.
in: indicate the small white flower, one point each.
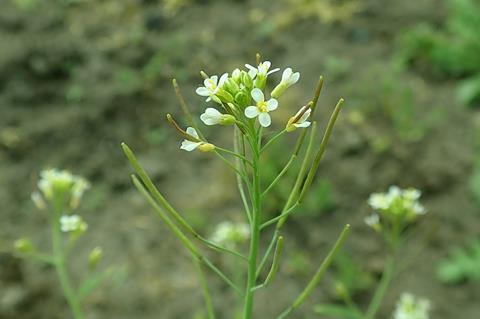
{"type": "Point", "coordinates": [188, 145]}
{"type": "Point", "coordinates": [262, 108]}
{"type": "Point", "coordinates": [299, 119]}
{"type": "Point", "coordinates": [71, 223]}
{"type": "Point", "coordinates": [372, 220]}
{"type": "Point", "coordinates": [195, 142]}
{"type": "Point", "coordinates": [261, 70]}
{"type": "Point", "coordinates": [418, 209]}
{"type": "Point", "coordinates": [229, 234]}
{"type": "Point", "coordinates": [211, 86]}
{"type": "Point", "coordinates": [289, 77]}
{"type": "Point", "coordinates": [409, 307]}
{"type": "Point", "coordinates": [213, 117]}
{"type": "Point", "coordinates": [379, 201]}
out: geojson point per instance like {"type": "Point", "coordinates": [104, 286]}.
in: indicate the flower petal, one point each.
{"type": "Point", "coordinates": [250, 67]}
{"type": "Point", "coordinates": [193, 132]}
{"type": "Point", "coordinates": [189, 145]}
{"type": "Point", "coordinates": [272, 104]}
{"type": "Point", "coordinates": [251, 112]}
{"type": "Point", "coordinates": [264, 119]}
{"type": "Point", "coordinates": [303, 124]}
{"type": "Point", "coordinates": [294, 78]}
{"type": "Point", "coordinates": [213, 112]}
{"type": "Point", "coordinates": [273, 71]}
{"type": "Point", "coordinates": [203, 91]}
{"type": "Point", "coordinates": [286, 74]}
{"type": "Point", "coordinates": [257, 95]}
{"type": "Point", "coordinates": [305, 116]}
{"type": "Point", "coordinates": [223, 78]}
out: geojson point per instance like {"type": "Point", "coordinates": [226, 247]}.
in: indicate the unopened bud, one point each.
{"type": "Point", "coordinates": [23, 245]}
{"type": "Point", "coordinates": [227, 119]}
{"type": "Point", "coordinates": [242, 99]}
{"type": "Point", "coordinates": [206, 147]}
{"type": "Point", "coordinates": [278, 90]}
{"type": "Point", "coordinates": [95, 257]}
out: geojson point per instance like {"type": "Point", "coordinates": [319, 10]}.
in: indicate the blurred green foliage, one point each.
{"type": "Point", "coordinates": [462, 265]}
{"type": "Point", "coordinates": [452, 50]}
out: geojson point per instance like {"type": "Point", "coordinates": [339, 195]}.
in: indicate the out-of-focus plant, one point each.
{"type": "Point", "coordinates": [384, 98]}
{"type": "Point", "coordinates": [59, 194]}
{"type": "Point", "coordinates": [246, 105]}
{"type": "Point", "coordinates": [463, 264]}
{"type": "Point", "coordinates": [452, 50]}
{"type": "Point", "coordinates": [395, 211]}
{"type": "Point", "coordinates": [410, 307]}
{"type": "Point", "coordinates": [327, 11]}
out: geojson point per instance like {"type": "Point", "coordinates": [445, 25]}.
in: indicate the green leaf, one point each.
{"type": "Point", "coordinates": [463, 264]}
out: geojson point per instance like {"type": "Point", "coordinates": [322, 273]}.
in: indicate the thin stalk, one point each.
{"type": "Point", "coordinates": [192, 249]}
{"type": "Point", "coordinates": [301, 175]}
{"type": "Point", "coordinates": [283, 215]}
{"type": "Point", "coordinates": [321, 150]}
{"type": "Point", "coordinates": [183, 105]}
{"type": "Point", "coordinates": [275, 264]}
{"type": "Point", "coordinates": [206, 291]}
{"type": "Point", "coordinates": [382, 287]}
{"type": "Point", "coordinates": [65, 283]}
{"type": "Point", "coordinates": [268, 252]}
{"type": "Point", "coordinates": [232, 166]}
{"type": "Point", "coordinates": [280, 175]}
{"type": "Point", "coordinates": [159, 198]}
{"type": "Point", "coordinates": [243, 158]}
{"type": "Point", "coordinates": [238, 165]}
{"type": "Point", "coordinates": [255, 230]}
{"type": "Point", "coordinates": [319, 274]}
{"type": "Point", "coordinates": [273, 139]}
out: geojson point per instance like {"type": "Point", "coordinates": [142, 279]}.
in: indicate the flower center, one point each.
{"type": "Point", "coordinates": [262, 106]}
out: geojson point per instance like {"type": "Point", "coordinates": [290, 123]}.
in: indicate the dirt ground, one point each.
{"type": "Point", "coordinates": [76, 80]}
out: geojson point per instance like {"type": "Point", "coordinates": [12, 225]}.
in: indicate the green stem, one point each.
{"type": "Point", "coordinates": [60, 268]}
{"type": "Point", "coordinates": [319, 274]}
{"type": "Point", "coordinates": [255, 230]}
{"type": "Point", "coordinates": [382, 287]}
{"type": "Point", "coordinates": [273, 139]}
{"type": "Point", "coordinates": [206, 292]}
{"type": "Point", "coordinates": [243, 158]}
{"type": "Point", "coordinates": [280, 175]}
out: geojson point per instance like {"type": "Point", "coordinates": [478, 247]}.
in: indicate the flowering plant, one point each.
{"type": "Point", "coordinates": [59, 193]}
{"type": "Point", "coordinates": [241, 100]}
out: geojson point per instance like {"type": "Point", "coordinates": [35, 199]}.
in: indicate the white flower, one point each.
{"type": "Point", "coordinates": [212, 117]}
{"type": "Point", "coordinates": [211, 86]}
{"type": "Point", "coordinates": [372, 221]}
{"type": "Point", "coordinates": [299, 119]}
{"type": "Point", "coordinates": [409, 307]}
{"type": "Point", "coordinates": [195, 142]}
{"type": "Point", "coordinates": [262, 108]}
{"type": "Point", "coordinates": [261, 70]}
{"type": "Point", "coordinates": [71, 223]}
{"type": "Point", "coordinates": [418, 209]}
{"type": "Point", "coordinates": [379, 201]}
{"type": "Point", "coordinates": [229, 234]}
{"type": "Point", "coordinates": [188, 145]}
{"type": "Point", "coordinates": [289, 78]}
{"type": "Point", "coordinates": [55, 182]}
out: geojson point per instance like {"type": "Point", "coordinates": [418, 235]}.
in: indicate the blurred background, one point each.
{"type": "Point", "coordinates": [78, 77]}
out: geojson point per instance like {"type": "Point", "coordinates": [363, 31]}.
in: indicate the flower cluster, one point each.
{"type": "Point", "coordinates": [409, 307]}
{"type": "Point", "coordinates": [59, 185]}
{"type": "Point", "coordinates": [72, 223]}
{"type": "Point", "coordinates": [242, 98]}
{"type": "Point", "coordinates": [228, 234]}
{"type": "Point", "coordinates": [397, 206]}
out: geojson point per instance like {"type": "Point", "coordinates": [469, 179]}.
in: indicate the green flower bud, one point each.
{"type": "Point", "coordinates": [242, 99]}
{"type": "Point", "coordinates": [206, 147]}
{"type": "Point", "coordinates": [224, 96]}
{"type": "Point", "coordinates": [231, 86]}
{"type": "Point", "coordinates": [24, 246]}
{"type": "Point", "coordinates": [260, 81]}
{"type": "Point", "coordinates": [227, 119]}
{"type": "Point", "coordinates": [247, 80]}
{"type": "Point", "coordinates": [95, 257]}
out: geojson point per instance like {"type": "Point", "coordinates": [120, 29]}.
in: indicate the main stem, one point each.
{"type": "Point", "coordinates": [255, 230]}
{"type": "Point", "coordinates": [382, 287]}
{"type": "Point", "coordinates": [65, 282]}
